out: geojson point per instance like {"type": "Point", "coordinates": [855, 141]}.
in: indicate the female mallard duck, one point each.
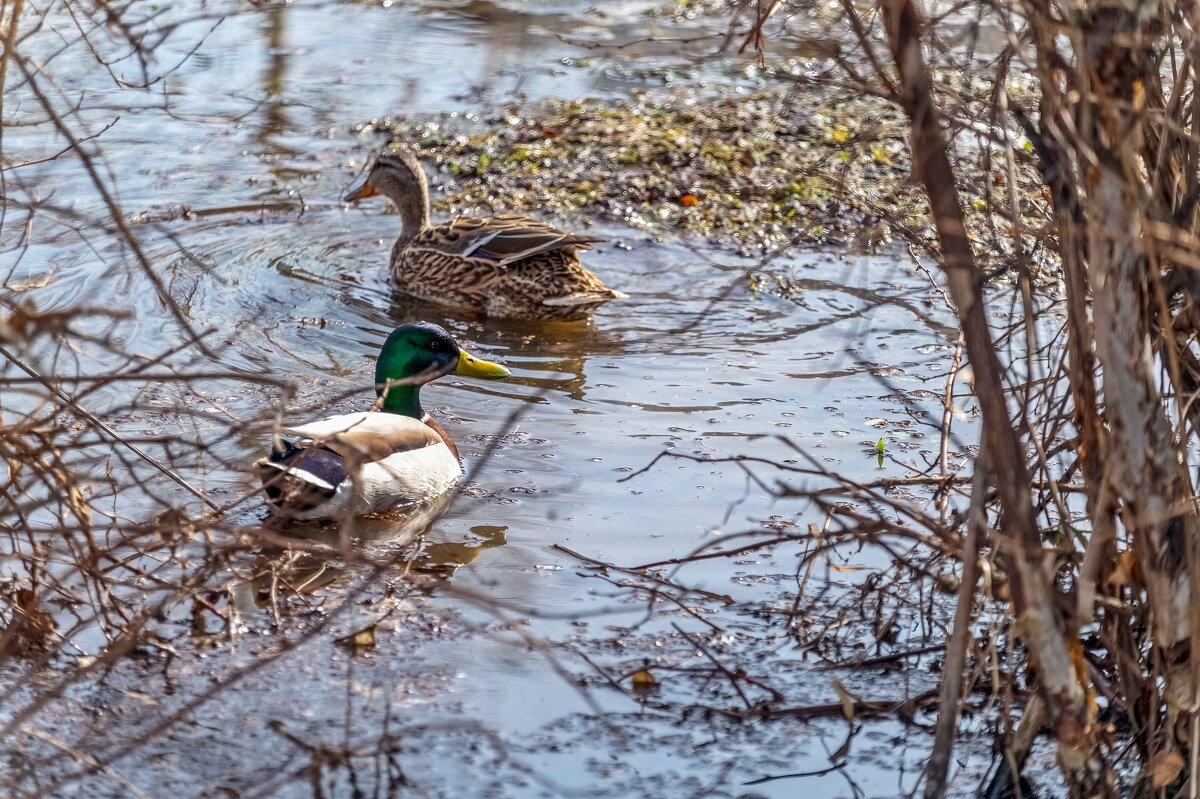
{"type": "Point", "coordinates": [508, 266]}
{"type": "Point", "coordinates": [360, 463]}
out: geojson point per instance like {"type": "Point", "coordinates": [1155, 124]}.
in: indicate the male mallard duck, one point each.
{"type": "Point", "coordinates": [360, 463]}
{"type": "Point", "coordinates": [508, 266]}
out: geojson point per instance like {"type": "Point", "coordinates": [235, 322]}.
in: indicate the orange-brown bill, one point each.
{"type": "Point", "coordinates": [360, 189]}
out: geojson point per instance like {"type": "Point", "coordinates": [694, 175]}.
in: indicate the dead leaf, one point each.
{"type": "Point", "coordinates": [1165, 768]}
{"type": "Point", "coordinates": [31, 628]}
{"type": "Point", "coordinates": [1139, 95]}
{"type": "Point", "coordinates": [1126, 571]}
{"type": "Point", "coordinates": [848, 700]}
{"type": "Point", "coordinates": [138, 696]}
{"type": "Point", "coordinates": [688, 200]}
{"type": "Point", "coordinates": [643, 680]}
{"type": "Point", "coordinates": [359, 641]}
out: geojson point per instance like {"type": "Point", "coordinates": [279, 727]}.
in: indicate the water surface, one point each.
{"type": "Point", "coordinates": [258, 146]}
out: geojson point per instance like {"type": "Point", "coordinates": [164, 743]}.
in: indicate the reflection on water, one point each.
{"type": "Point", "coordinates": [399, 538]}
{"type": "Point", "coordinates": [274, 117]}
{"type": "Point", "coordinates": [443, 558]}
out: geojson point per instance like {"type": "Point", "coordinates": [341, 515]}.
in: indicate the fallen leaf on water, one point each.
{"type": "Point", "coordinates": [138, 696]}
{"type": "Point", "coordinates": [359, 641]}
{"type": "Point", "coordinates": [847, 699]}
{"type": "Point", "coordinates": [643, 680]}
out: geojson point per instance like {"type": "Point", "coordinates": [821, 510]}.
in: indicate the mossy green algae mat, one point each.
{"type": "Point", "coordinates": [757, 170]}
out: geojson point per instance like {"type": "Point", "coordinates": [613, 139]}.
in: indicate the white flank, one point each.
{"type": "Point", "coordinates": [404, 478]}
{"type": "Point", "coordinates": [307, 477]}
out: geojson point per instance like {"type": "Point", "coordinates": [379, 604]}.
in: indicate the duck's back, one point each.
{"type": "Point", "coordinates": [506, 266]}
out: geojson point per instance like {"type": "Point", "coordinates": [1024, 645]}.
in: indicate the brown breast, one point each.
{"type": "Point", "coordinates": [437, 428]}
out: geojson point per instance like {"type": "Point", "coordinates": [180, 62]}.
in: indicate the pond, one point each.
{"type": "Point", "coordinates": [488, 683]}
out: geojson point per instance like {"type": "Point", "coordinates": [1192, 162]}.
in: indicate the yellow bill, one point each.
{"type": "Point", "coordinates": [470, 366]}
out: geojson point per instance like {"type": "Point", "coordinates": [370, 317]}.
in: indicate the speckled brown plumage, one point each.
{"type": "Point", "coordinates": [504, 266]}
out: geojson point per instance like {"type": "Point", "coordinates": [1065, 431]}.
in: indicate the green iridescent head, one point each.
{"type": "Point", "coordinates": [413, 355]}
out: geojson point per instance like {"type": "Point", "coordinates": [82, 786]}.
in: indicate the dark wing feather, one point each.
{"type": "Point", "coordinates": [502, 239]}
{"type": "Point", "coordinates": [298, 479]}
